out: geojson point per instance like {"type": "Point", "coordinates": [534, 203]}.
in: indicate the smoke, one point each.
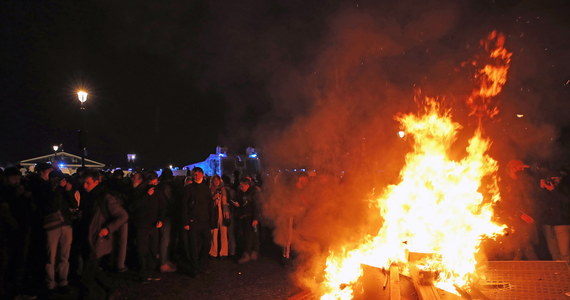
{"type": "Point", "coordinates": [370, 66]}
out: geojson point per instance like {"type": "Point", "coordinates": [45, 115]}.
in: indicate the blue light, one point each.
{"type": "Point", "coordinates": [253, 155]}
{"type": "Point", "coordinates": [61, 166]}
{"type": "Point", "coordinates": [222, 155]}
{"type": "Point", "coordinates": [303, 170]}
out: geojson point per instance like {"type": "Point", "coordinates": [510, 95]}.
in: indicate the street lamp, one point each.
{"type": "Point", "coordinates": [82, 96]}
{"type": "Point", "coordinates": [55, 148]}
{"type": "Point", "coordinates": [131, 159]}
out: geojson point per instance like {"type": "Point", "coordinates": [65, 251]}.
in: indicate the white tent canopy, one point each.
{"type": "Point", "coordinates": [66, 162]}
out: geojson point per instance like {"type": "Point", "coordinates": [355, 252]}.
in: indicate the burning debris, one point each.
{"type": "Point", "coordinates": [440, 206]}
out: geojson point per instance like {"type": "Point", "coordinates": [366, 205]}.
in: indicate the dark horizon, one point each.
{"type": "Point", "coordinates": [171, 81]}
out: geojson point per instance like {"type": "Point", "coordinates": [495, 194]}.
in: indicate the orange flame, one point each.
{"type": "Point", "coordinates": [438, 207]}
{"type": "Point", "coordinates": [492, 77]}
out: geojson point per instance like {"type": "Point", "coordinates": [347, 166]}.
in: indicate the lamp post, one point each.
{"type": "Point", "coordinates": [131, 160]}
{"type": "Point", "coordinates": [55, 148]}
{"type": "Point", "coordinates": [82, 96]}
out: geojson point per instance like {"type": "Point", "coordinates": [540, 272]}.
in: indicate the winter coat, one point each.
{"type": "Point", "coordinates": [107, 213]}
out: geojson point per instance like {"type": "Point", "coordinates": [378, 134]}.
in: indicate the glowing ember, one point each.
{"type": "Point", "coordinates": [438, 207]}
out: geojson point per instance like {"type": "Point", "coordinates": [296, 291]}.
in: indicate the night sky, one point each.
{"type": "Point", "coordinates": [170, 80]}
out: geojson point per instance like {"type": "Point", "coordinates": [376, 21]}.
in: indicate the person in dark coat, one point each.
{"type": "Point", "coordinates": [555, 217]}
{"type": "Point", "coordinates": [518, 211]}
{"type": "Point", "coordinates": [104, 215]}
{"type": "Point", "coordinates": [247, 203]}
{"type": "Point", "coordinates": [198, 218]}
{"type": "Point", "coordinates": [19, 202]}
{"type": "Point", "coordinates": [147, 215]}
{"type": "Point", "coordinates": [42, 199]}
{"type": "Point", "coordinates": [166, 187]}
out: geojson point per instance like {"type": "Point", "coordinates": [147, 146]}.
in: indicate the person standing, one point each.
{"type": "Point", "coordinates": [197, 217]}
{"type": "Point", "coordinates": [147, 215]}
{"type": "Point", "coordinates": [556, 215]}
{"type": "Point", "coordinates": [518, 210]}
{"type": "Point", "coordinates": [297, 211]}
{"type": "Point", "coordinates": [166, 188]}
{"type": "Point", "coordinates": [248, 220]}
{"type": "Point", "coordinates": [222, 217]}
{"type": "Point", "coordinates": [59, 233]}
{"type": "Point", "coordinates": [104, 216]}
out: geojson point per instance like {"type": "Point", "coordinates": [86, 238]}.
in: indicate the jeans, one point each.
{"type": "Point", "coordinates": [59, 238]}
{"type": "Point", "coordinates": [558, 240]}
{"type": "Point", "coordinates": [121, 239]}
{"type": "Point", "coordinates": [165, 233]}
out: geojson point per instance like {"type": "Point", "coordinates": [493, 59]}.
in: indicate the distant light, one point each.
{"type": "Point", "coordinates": [303, 170]}
{"type": "Point", "coordinates": [170, 167]}
{"type": "Point", "coordinates": [131, 157]}
{"type": "Point", "coordinates": [401, 134]}
{"type": "Point", "coordinates": [295, 170]}
{"type": "Point", "coordinates": [520, 115]}
{"type": "Point", "coordinates": [254, 155]}
{"type": "Point", "coordinates": [82, 95]}
{"type": "Point", "coordinates": [222, 155]}
{"type": "Point", "coordinates": [55, 147]}
{"type": "Point", "coordinates": [61, 166]}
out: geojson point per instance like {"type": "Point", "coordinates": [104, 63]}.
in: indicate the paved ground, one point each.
{"type": "Point", "coordinates": [262, 279]}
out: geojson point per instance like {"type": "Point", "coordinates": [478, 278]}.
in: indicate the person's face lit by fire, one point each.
{"type": "Point", "coordinates": [137, 179]}
{"type": "Point", "coordinates": [90, 184]}
{"type": "Point", "coordinates": [216, 181]}
{"type": "Point", "coordinates": [198, 176]}
{"type": "Point", "coordinates": [244, 186]}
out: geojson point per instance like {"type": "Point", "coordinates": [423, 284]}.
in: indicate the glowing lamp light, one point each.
{"type": "Point", "coordinates": [61, 166]}
{"type": "Point", "coordinates": [82, 95]}
{"type": "Point", "coordinates": [55, 148]}
{"type": "Point", "coordinates": [520, 116]}
{"type": "Point", "coordinates": [253, 155]}
{"type": "Point", "coordinates": [170, 167]}
{"type": "Point", "coordinates": [401, 134]}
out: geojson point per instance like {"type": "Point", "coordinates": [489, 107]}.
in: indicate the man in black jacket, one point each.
{"type": "Point", "coordinates": [147, 215]}
{"type": "Point", "coordinates": [103, 215]}
{"type": "Point", "coordinates": [248, 220]}
{"type": "Point", "coordinates": [197, 219]}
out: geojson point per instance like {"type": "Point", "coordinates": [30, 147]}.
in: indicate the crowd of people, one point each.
{"type": "Point", "coordinates": [57, 228]}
